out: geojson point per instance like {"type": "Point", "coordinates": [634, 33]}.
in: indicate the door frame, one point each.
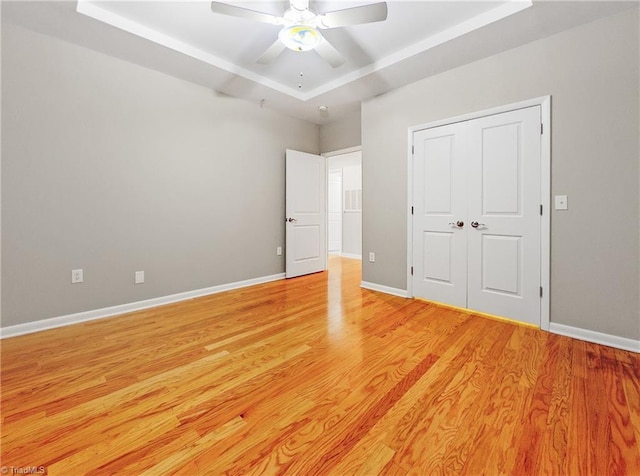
{"type": "Point", "coordinates": [545, 190]}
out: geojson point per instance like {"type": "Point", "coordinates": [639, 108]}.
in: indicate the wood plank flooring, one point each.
{"type": "Point", "coordinates": [315, 375]}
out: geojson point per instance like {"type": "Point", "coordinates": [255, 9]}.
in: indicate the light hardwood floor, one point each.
{"type": "Point", "coordinates": [315, 375]}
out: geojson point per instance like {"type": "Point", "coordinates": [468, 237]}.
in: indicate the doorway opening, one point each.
{"type": "Point", "coordinates": [344, 203]}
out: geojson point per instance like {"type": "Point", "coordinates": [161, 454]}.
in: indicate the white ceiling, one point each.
{"type": "Point", "coordinates": [418, 39]}
{"type": "Point", "coordinates": [234, 44]}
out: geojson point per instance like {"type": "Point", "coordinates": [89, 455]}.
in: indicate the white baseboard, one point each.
{"type": "Point", "coordinates": [595, 337]}
{"type": "Point", "coordinates": [351, 255]}
{"type": "Point", "coordinates": [384, 289]}
{"type": "Point", "coordinates": [52, 323]}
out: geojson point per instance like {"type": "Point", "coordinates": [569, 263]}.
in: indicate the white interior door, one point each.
{"type": "Point", "coordinates": [504, 236]}
{"type": "Point", "coordinates": [306, 248]}
{"type": "Point", "coordinates": [334, 211]}
{"type": "Point", "coordinates": [440, 209]}
{"type": "Point", "coordinates": [476, 223]}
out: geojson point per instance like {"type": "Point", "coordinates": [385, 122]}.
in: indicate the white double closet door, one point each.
{"type": "Point", "coordinates": [476, 218]}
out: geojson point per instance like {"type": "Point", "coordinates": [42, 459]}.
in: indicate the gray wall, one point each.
{"type": "Point", "coordinates": [592, 73]}
{"type": "Point", "coordinates": [113, 168]}
{"type": "Point", "coordinates": [341, 134]}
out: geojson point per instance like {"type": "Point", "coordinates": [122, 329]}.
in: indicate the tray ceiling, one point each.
{"type": "Point", "coordinates": [418, 39]}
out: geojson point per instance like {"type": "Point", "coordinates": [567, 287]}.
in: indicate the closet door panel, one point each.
{"type": "Point", "coordinates": [504, 215]}
{"type": "Point", "coordinates": [439, 191]}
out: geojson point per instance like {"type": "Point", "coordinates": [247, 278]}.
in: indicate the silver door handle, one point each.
{"type": "Point", "coordinates": [290, 220]}
{"type": "Point", "coordinates": [475, 224]}
{"type": "Point", "coordinates": [459, 224]}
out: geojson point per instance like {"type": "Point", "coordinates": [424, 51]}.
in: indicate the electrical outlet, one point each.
{"type": "Point", "coordinates": [562, 202]}
{"type": "Point", "coordinates": [139, 277]}
{"type": "Point", "coordinates": [279, 250]}
{"type": "Point", "coordinates": [372, 257]}
{"type": "Point", "coordinates": [77, 276]}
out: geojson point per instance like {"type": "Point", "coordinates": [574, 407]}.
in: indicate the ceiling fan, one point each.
{"type": "Point", "coordinates": [301, 24]}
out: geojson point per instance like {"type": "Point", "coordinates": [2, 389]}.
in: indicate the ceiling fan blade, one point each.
{"type": "Point", "coordinates": [328, 53]}
{"type": "Point", "coordinates": [233, 11]}
{"type": "Point", "coordinates": [354, 16]}
{"type": "Point", "coordinates": [272, 52]}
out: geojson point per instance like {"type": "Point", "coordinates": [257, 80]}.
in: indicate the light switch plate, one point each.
{"type": "Point", "coordinates": [77, 276]}
{"type": "Point", "coordinates": [561, 202]}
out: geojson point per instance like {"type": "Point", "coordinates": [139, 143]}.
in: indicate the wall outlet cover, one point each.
{"type": "Point", "coordinates": [561, 202]}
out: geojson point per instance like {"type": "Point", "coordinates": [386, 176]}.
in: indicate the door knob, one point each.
{"type": "Point", "coordinates": [459, 223]}
{"type": "Point", "coordinates": [290, 220]}
{"type": "Point", "coordinates": [475, 224]}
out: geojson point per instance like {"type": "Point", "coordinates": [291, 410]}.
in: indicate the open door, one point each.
{"type": "Point", "coordinates": [306, 236]}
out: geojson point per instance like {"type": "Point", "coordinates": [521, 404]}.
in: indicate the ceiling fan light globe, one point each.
{"type": "Point", "coordinates": [300, 37]}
